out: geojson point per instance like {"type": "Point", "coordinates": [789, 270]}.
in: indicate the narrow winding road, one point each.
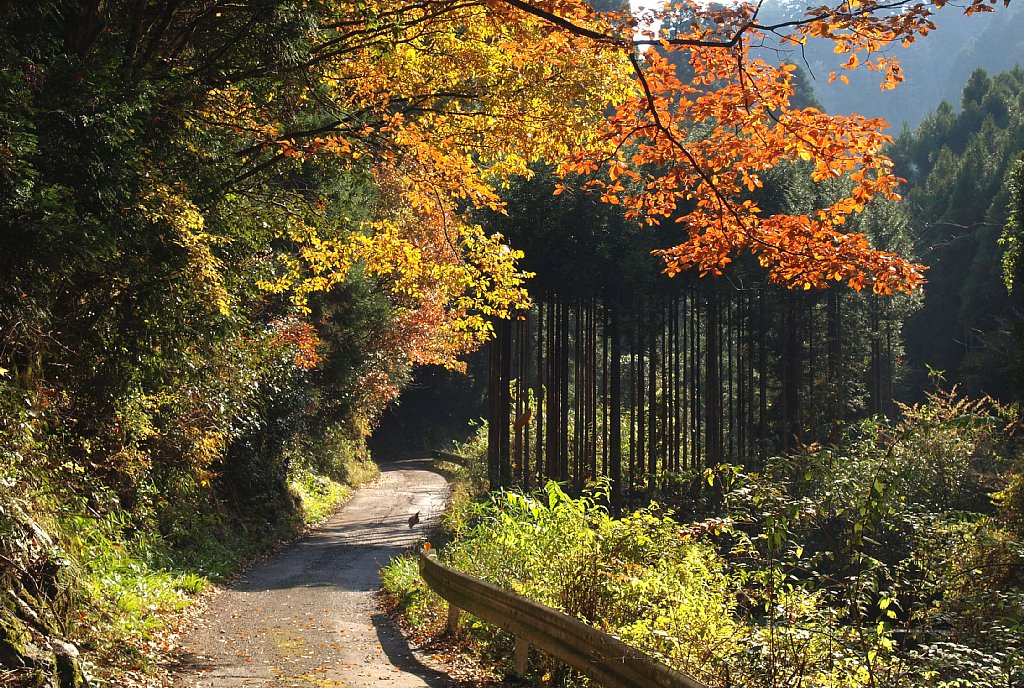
{"type": "Point", "coordinates": [309, 617]}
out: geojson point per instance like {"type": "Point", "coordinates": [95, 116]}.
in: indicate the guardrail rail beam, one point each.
{"type": "Point", "coordinates": [602, 657]}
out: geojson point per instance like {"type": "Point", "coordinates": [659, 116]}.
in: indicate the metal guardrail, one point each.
{"type": "Point", "coordinates": [606, 659]}
{"type": "Point", "coordinates": [453, 458]}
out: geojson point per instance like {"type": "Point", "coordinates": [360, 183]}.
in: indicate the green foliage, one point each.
{"type": "Point", "coordinates": [474, 447]}
{"type": "Point", "coordinates": [401, 579]}
{"type": "Point", "coordinates": [470, 480]}
{"type": "Point", "coordinates": [322, 469]}
{"type": "Point", "coordinates": [961, 191]}
{"type": "Point", "coordinates": [898, 538]}
{"type": "Point", "coordinates": [1013, 230]}
{"type": "Point", "coordinates": [635, 577]}
{"type": "Point", "coordinates": [157, 405]}
{"type": "Point", "coordinates": [333, 453]}
{"type": "Point", "coordinates": [109, 578]}
{"type": "Point", "coordinates": [128, 585]}
{"type": "Point", "coordinates": [884, 561]}
{"type": "Point", "coordinates": [320, 496]}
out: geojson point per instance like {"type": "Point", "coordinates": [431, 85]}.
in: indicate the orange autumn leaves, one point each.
{"type": "Point", "coordinates": [694, 151]}
{"type": "Point", "coordinates": [442, 101]}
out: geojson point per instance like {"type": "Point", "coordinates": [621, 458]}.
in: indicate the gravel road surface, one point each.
{"type": "Point", "coordinates": [309, 616]}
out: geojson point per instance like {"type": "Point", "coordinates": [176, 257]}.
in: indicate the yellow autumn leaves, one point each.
{"type": "Point", "coordinates": [442, 103]}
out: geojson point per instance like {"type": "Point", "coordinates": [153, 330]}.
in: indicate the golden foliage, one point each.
{"type": "Point", "coordinates": [169, 208]}
{"type": "Point", "coordinates": [444, 100]}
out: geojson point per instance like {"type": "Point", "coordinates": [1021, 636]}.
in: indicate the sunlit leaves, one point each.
{"type": "Point", "coordinates": [171, 211]}
{"type": "Point", "coordinates": [443, 102]}
{"type": "Point", "coordinates": [700, 147]}
{"type": "Point", "coordinates": [447, 100]}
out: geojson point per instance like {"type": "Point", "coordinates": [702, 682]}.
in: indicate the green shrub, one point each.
{"type": "Point", "coordinates": [318, 495]}
{"type": "Point", "coordinates": [897, 536]}
{"type": "Point", "coordinates": [640, 577]}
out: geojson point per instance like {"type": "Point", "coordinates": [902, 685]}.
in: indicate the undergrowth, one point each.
{"type": "Point", "coordinates": [894, 560]}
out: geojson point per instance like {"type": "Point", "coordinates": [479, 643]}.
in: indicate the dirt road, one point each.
{"type": "Point", "coordinates": [309, 616]}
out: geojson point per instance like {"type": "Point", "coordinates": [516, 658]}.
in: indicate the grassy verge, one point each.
{"type": "Point", "coordinates": [319, 496]}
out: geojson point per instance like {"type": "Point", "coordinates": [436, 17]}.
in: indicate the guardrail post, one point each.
{"type": "Point", "coordinates": [521, 658]}
{"type": "Point", "coordinates": [453, 619]}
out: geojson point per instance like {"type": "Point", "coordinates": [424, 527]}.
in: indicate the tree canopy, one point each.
{"type": "Point", "coordinates": [441, 101]}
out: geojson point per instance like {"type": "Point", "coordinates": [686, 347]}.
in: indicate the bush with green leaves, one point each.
{"type": "Point", "coordinates": [898, 533]}
{"type": "Point", "coordinates": [639, 577]}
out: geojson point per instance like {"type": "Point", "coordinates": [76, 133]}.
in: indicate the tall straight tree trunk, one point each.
{"type": "Point", "coordinates": [751, 376]}
{"type": "Point", "coordinates": [695, 443]}
{"type": "Point", "coordinates": [812, 371]}
{"type": "Point", "coordinates": [605, 393]}
{"type": "Point", "coordinates": [723, 403]}
{"type": "Point", "coordinates": [683, 401]}
{"type": "Point", "coordinates": [695, 381]}
{"type": "Point", "coordinates": [712, 385]}
{"type": "Point", "coordinates": [742, 381]}
{"type": "Point", "coordinates": [632, 418]}
{"type": "Point", "coordinates": [836, 384]}
{"type": "Point", "coordinates": [729, 341]}
{"type": "Point", "coordinates": [494, 410]}
{"type": "Point", "coordinates": [615, 408]}
{"type": "Point", "coordinates": [762, 391]}
{"type": "Point", "coordinates": [641, 414]}
{"type": "Point", "coordinates": [563, 382]}
{"type": "Point", "coordinates": [526, 410]}
{"type": "Point", "coordinates": [505, 408]}
{"type": "Point", "coordinates": [553, 390]}
{"type": "Point", "coordinates": [667, 453]}
{"type": "Point", "coordinates": [589, 397]}
{"type": "Point", "coordinates": [677, 388]}
{"type": "Point", "coordinates": [876, 356]}
{"type": "Point", "coordinates": [669, 386]}
{"type": "Point", "coordinates": [539, 393]}
{"type": "Point", "coordinates": [652, 408]}
{"type": "Point", "coordinates": [890, 364]}
{"type": "Point", "coordinates": [791, 367]}
{"type": "Point", "coordinates": [518, 413]}
{"type": "Point", "coordinates": [579, 397]}
{"type": "Point", "coordinates": [594, 387]}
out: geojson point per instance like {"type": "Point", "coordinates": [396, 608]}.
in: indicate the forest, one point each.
{"type": "Point", "coordinates": [766, 487]}
{"type": "Point", "coordinates": [736, 370]}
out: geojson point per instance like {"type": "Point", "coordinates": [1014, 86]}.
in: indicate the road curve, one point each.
{"type": "Point", "coordinates": [309, 616]}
